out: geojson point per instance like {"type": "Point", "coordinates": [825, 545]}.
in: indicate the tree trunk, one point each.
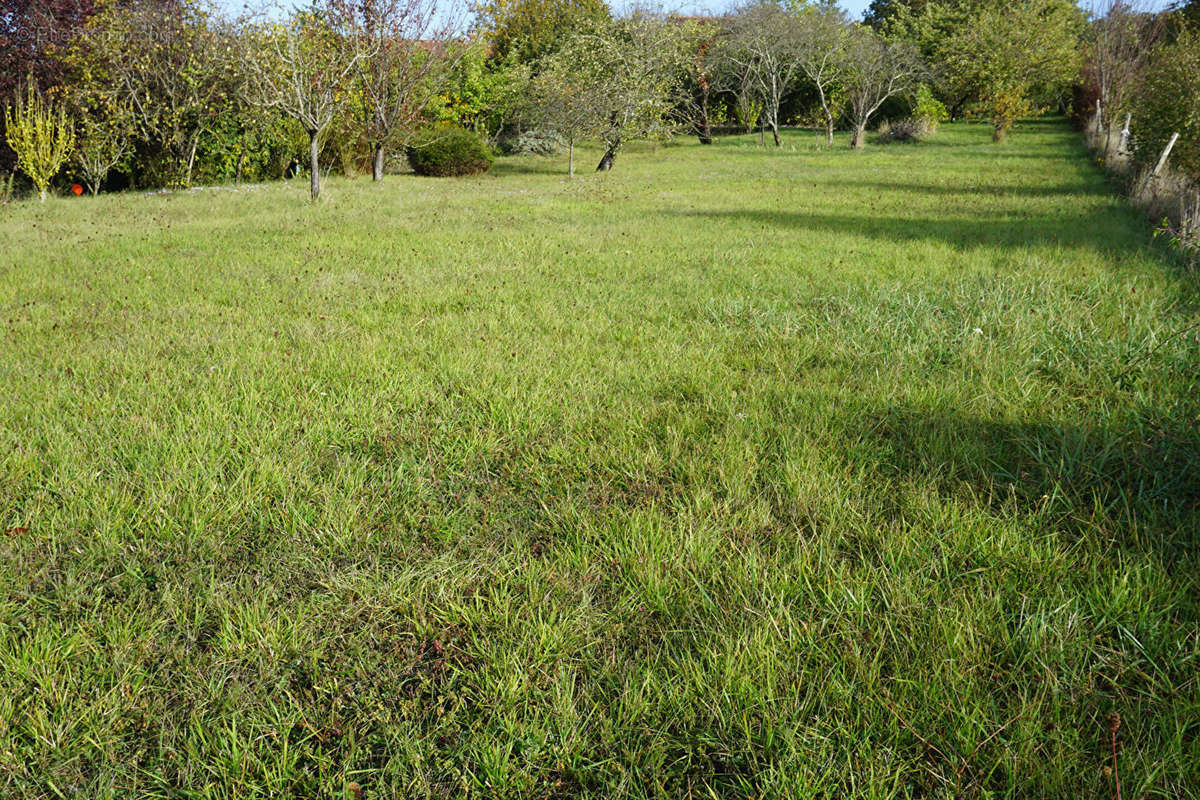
{"type": "Point", "coordinates": [828, 128]}
{"type": "Point", "coordinates": [191, 162]}
{"type": "Point", "coordinates": [705, 132]}
{"type": "Point", "coordinates": [1000, 130]}
{"type": "Point", "coordinates": [41, 195]}
{"type": "Point", "coordinates": [314, 165]}
{"type": "Point", "coordinates": [775, 132]}
{"type": "Point", "coordinates": [241, 162]}
{"type": "Point", "coordinates": [571, 158]}
{"type": "Point", "coordinates": [377, 163]}
{"type": "Point", "coordinates": [610, 155]}
{"type": "Point", "coordinates": [859, 137]}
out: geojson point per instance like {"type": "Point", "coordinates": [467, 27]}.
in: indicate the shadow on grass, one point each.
{"type": "Point", "coordinates": [1095, 230]}
{"type": "Point", "coordinates": [1136, 480]}
{"type": "Point", "coordinates": [1062, 190]}
{"type": "Point", "coordinates": [538, 165]}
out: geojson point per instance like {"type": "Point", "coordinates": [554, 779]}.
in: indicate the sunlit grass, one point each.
{"type": "Point", "coordinates": [732, 473]}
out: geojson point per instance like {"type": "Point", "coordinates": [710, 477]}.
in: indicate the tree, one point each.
{"type": "Point", "coordinates": [103, 131]}
{"type": "Point", "coordinates": [822, 36]}
{"type": "Point", "coordinates": [875, 70]}
{"type": "Point", "coordinates": [169, 61]}
{"type": "Point", "coordinates": [305, 68]}
{"type": "Point", "coordinates": [34, 35]}
{"type": "Point", "coordinates": [563, 102]}
{"type": "Point", "coordinates": [481, 93]}
{"type": "Point", "coordinates": [401, 71]}
{"type": "Point", "coordinates": [631, 68]}
{"type": "Point", "coordinates": [766, 45]}
{"type": "Point", "coordinates": [527, 31]}
{"type": "Point", "coordinates": [1008, 54]}
{"type": "Point", "coordinates": [707, 73]}
{"type": "Point", "coordinates": [41, 135]}
{"type": "Point", "coordinates": [1122, 38]}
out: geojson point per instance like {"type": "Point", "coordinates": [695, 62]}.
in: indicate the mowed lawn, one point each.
{"type": "Point", "coordinates": [737, 472]}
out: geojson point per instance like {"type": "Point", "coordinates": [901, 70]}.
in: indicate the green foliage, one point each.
{"type": "Point", "coordinates": [526, 31]}
{"type": "Point", "coordinates": [445, 151]}
{"type": "Point", "coordinates": [926, 106]}
{"type": "Point", "coordinates": [1170, 103]}
{"type": "Point", "coordinates": [1009, 56]}
{"type": "Point", "coordinates": [631, 70]}
{"type": "Point", "coordinates": [40, 133]}
{"type": "Point", "coordinates": [173, 65]}
{"type": "Point", "coordinates": [482, 93]}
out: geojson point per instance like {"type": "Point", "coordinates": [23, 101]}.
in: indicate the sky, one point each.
{"type": "Point", "coordinates": [854, 8]}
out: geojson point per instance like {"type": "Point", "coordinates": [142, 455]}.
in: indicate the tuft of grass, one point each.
{"type": "Point", "coordinates": [735, 472]}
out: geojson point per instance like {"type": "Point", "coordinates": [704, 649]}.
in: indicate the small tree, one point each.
{"type": "Point", "coordinates": [1008, 54]}
{"type": "Point", "coordinates": [41, 135]}
{"type": "Point", "coordinates": [305, 68]}
{"type": "Point", "coordinates": [822, 36]}
{"type": "Point", "coordinates": [708, 72]}
{"type": "Point", "coordinates": [631, 68]}
{"type": "Point", "coordinates": [102, 141]}
{"type": "Point", "coordinates": [765, 43]}
{"type": "Point", "coordinates": [401, 71]}
{"type": "Point", "coordinates": [562, 102]}
{"type": "Point", "coordinates": [876, 69]}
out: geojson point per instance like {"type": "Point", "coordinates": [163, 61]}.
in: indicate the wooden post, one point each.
{"type": "Point", "coordinates": [1162, 162]}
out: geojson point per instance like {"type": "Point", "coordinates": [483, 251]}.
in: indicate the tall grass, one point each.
{"type": "Point", "coordinates": [733, 473]}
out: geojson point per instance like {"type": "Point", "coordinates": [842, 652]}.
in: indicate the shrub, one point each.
{"type": "Point", "coordinates": [909, 129]}
{"type": "Point", "coordinates": [536, 143]}
{"type": "Point", "coordinates": [1170, 103]}
{"type": "Point", "coordinates": [446, 151]}
{"type": "Point", "coordinates": [926, 106]}
{"type": "Point", "coordinates": [40, 134]}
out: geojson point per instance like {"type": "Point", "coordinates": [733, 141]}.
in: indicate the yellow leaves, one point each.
{"type": "Point", "coordinates": [40, 134]}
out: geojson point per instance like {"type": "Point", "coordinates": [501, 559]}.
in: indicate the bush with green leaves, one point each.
{"type": "Point", "coordinates": [449, 151]}
{"type": "Point", "coordinates": [1170, 103]}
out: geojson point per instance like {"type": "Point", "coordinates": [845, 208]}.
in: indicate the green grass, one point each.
{"type": "Point", "coordinates": [732, 473]}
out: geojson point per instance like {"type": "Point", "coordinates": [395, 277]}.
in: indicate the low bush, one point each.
{"type": "Point", "coordinates": [449, 151]}
{"type": "Point", "coordinates": [909, 129]}
{"type": "Point", "coordinates": [536, 143]}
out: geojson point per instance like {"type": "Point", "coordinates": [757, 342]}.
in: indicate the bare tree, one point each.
{"type": "Point", "coordinates": [875, 70]}
{"type": "Point", "coordinates": [823, 34]}
{"type": "Point", "coordinates": [765, 44]}
{"type": "Point", "coordinates": [305, 67]}
{"type": "Point", "coordinates": [406, 57]}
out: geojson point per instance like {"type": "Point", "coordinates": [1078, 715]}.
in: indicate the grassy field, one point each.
{"type": "Point", "coordinates": [732, 473]}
